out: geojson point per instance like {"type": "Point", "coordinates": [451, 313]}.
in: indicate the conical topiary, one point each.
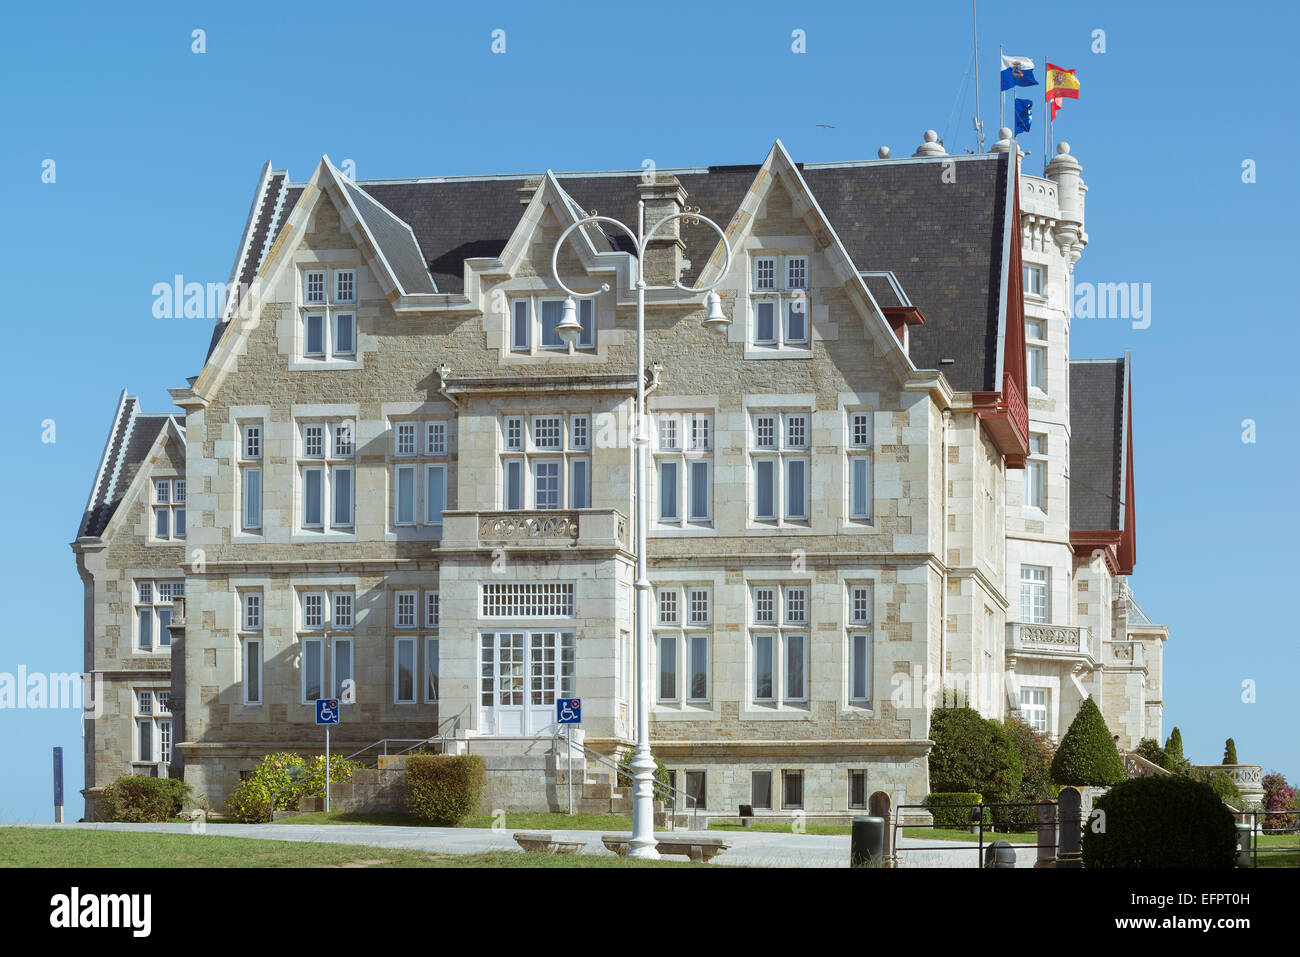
{"type": "Point", "coordinates": [1230, 752]}
{"type": "Point", "coordinates": [1174, 760]}
{"type": "Point", "coordinates": [1087, 754]}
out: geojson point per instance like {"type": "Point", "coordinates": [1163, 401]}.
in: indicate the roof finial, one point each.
{"type": "Point", "coordinates": [883, 152]}
{"type": "Point", "coordinates": [931, 146]}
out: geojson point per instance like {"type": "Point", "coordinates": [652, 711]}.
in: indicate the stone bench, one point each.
{"type": "Point", "coordinates": [698, 849]}
{"type": "Point", "coordinates": [544, 843]}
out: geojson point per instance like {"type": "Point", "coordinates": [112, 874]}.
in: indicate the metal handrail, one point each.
{"type": "Point", "coordinates": [438, 734]}
{"type": "Point", "coordinates": [665, 791]}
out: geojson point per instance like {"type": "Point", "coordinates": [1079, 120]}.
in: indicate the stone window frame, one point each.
{"type": "Point", "coordinates": [859, 448]}
{"type": "Point", "coordinates": [779, 453]}
{"type": "Point", "coordinates": [683, 631]}
{"type": "Point", "coordinates": [866, 789]}
{"type": "Point", "coordinates": [159, 713]}
{"type": "Point", "coordinates": [683, 438]}
{"type": "Point", "coordinates": [859, 594]}
{"type": "Point", "coordinates": [1029, 585]}
{"type": "Point", "coordinates": [534, 303]}
{"type": "Point", "coordinates": [780, 634]}
{"type": "Point", "coordinates": [1036, 473]}
{"type": "Point", "coordinates": [785, 296]}
{"type": "Point", "coordinates": [1028, 710]}
{"type": "Point", "coordinates": [518, 447]}
{"type": "Point", "coordinates": [432, 450]}
{"type": "Point", "coordinates": [171, 503]}
{"type": "Point", "coordinates": [322, 631]}
{"type": "Point", "coordinates": [336, 435]}
{"type": "Point", "coordinates": [248, 460]}
{"type": "Point", "coordinates": [771, 783]}
{"type": "Point", "coordinates": [249, 632]}
{"type": "Point", "coordinates": [156, 596]}
{"type": "Point", "coordinates": [1036, 348]}
{"type": "Point", "coordinates": [1034, 289]}
{"type": "Point", "coordinates": [331, 310]}
{"type": "Point", "coordinates": [789, 775]}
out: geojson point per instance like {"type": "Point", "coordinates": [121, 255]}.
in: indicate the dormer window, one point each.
{"type": "Point", "coordinates": [328, 320]}
{"type": "Point", "coordinates": [169, 510]}
{"type": "Point", "coordinates": [779, 302]}
{"type": "Point", "coordinates": [533, 324]}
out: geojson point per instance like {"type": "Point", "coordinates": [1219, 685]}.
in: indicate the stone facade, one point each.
{"type": "Point", "coordinates": [466, 622]}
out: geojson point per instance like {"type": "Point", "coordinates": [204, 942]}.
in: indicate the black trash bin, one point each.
{"type": "Point", "coordinates": [867, 848]}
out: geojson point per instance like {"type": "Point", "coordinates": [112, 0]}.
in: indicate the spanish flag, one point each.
{"type": "Point", "coordinates": [1060, 84]}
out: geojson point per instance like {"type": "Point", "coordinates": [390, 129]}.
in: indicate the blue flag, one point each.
{"type": "Point", "coordinates": [1024, 115]}
{"type": "Point", "coordinates": [1017, 71]}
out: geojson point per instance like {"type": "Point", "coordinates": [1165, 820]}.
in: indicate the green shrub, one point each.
{"type": "Point", "coordinates": [955, 817]}
{"type": "Point", "coordinates": [972, 754]}
{"type": "Point", "coordinates": [444, 789]}
{"type": "Point", "coordinates": [1160, 821]}
{"type": "Point", "coordinates": [1036, 785]}
{"type": "Point", "coordinates": [1230, 752]}
{"type": "Point", "coordinates": [287, 778]}
{"type": "Point", "coordinates": [661, 773]}
{"type": "Point", "coordinates": [1087, 754]}
{"type": "Point", "coordinates": [138, 799]}
{"type": "Point", "coordinates": [1175, 762]}
{"type": "Point", "coordinates": [1150, 749]}
{"type": "Point", "coordinates": [1220, 783]}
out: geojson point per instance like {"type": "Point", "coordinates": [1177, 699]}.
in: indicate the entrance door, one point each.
{"type": "Point", "coordinates": [517, 696]}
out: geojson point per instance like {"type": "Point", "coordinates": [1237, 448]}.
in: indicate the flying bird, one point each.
{"type": "Point", "coordinates": [826, 126]}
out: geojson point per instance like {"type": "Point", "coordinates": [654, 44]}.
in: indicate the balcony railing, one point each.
{"type": "Point", "coordinates": [1015, 404]}
{"type": "Point", "coordinates": [536, 528]}
{"type": "Point", "coordinates": [1126, 653]}
{"type": "Point", "coordinates": [1052, 640]}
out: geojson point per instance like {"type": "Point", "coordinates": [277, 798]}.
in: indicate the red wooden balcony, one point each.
{"type": "Point", "coordinates": [1006, 417]}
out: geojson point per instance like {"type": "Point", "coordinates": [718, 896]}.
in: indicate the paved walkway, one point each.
{"type": "Point", "coordinates": [750, 848]}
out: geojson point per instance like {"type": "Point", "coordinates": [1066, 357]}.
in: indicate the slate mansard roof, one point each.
{"type": "Point", "coordinates": [130, 438]}
{"type": "Point", "coordinates": [1099, 422]}
{"type": "Point", "coordinates": [941, 236]}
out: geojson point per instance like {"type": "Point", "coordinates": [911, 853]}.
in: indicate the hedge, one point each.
{"type": "Point", "coordinates": [444, 789]}
{"type": "Point", "coordinates": [1087, 754]}
{"type": "Point", "coordinates": [1150, 749]}
{"type": "Point", "coordinates": [1036, 777]}
{"type": "Point", "coordinates": [1220, 783]}
{"type": "Point", "coordinates": [286, 777]}
{"type": "Point", "coordinates": [972, 754]}
{"type": "Point", "coordinates": [660, 775]}
{"type": "Point", "coordinates": [138, 799]}
{"type": "Point", "coordinates": [1160, 821]}
{"type": "Point", "coordinates": [955, 817]}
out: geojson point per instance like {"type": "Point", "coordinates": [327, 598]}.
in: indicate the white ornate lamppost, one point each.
{"type": "Point", "coordinates": [643, 765]}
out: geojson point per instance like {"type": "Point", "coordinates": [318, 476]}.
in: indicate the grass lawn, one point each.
{"type": "Point", "coordinates": [954, 834]}
{"type": "Point", "coordinates": [36, 847]}
{"type": "Point", "coordinates": [1278, 850]}
{"type": "Point", "coordinates": [780, 827]}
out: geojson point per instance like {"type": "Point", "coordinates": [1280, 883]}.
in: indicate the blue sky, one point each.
{"type": "Point", "coordinates": [157, 150]}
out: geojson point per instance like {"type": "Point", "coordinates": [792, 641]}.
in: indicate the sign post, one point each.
{"type": "Point", "coordinates": [327, 713]}
{"type": "Point", "coordinates": [568, 712]}
{"type": "Point", "coordinates": [58, 785]}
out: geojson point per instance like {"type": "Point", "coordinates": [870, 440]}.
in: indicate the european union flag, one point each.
{"type": "Point", "coordinates": [1024, 115]}
{"type": "Point", "coordinates": [1017, 71]}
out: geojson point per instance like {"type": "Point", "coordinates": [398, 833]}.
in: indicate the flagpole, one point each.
{"type": "Point", "coordinates": [1047, 130]}
{"type": "Point", "coordinates": [1002, 94]}
{"type": "Point", "coordinates": [975, 43]}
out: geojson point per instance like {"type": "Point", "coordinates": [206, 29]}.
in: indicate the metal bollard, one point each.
{"type": "Point", "coordinates": [999, 854]}
{"type": "Point", "coordinates": [1243, 845]}
{"type": "Point", "coordinates": [867, 848]}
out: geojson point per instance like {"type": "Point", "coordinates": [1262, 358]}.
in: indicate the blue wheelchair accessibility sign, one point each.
{"type": "Point", "coordinates": [327, 710]}
{"type": "Point", "coordinates": [568, 711]}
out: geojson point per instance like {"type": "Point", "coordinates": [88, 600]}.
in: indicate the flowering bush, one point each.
{"type": "Point", "coordinates": [286, 778]}
{"type": "Point", "coordinates": [1279, 796]}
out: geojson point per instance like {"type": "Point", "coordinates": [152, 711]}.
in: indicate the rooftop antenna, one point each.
{"type": "Point", "coordinates": [979, 124]}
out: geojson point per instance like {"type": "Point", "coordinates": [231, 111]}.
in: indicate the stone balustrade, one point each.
{"type": "Point", "coordinates": [1125, 654]}
{"type": "Point", "coordinates": [536, 528]}
{"type": "Point", "coordinates": [1051, 640]}
{"type": "Point", "coordinates": [1249, 778]}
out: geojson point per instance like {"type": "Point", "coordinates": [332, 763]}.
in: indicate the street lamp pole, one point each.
{"type": "Point", "coordinates": [643, 764]}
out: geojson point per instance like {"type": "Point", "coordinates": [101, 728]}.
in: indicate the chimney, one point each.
{"type": "Point", "coordinates": [663, 196]}
{"type": "Point", "coordinates": [527, 190]}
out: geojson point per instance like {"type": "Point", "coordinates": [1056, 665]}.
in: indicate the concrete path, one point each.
{"type": "Point", "coordinates": [749, 848]}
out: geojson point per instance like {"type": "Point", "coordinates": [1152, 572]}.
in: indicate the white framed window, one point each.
{"type": "Point", "coordinates": [250, 605]}
{"type": "Point", "coordinates": [420, 488]}
{"type": "Point", "coordinates": [534, 320]}
{"type": "Point", "coordinates": [153, 613]}
{"type": "Point", "coordinates": [432, 610]}
{"type": "Point", "coordinates": [326, 475]}
{"type": "Point", "coordinates": [1033, 704]}
{"type": "Point", "coordinates": [431, 665]}
{"type": "Point", "coordinates": [860, 652]}
{"type": "Point", "coordinates": [404, 604]}
{"type": "Point", "coordinates": [168, 510]}
{"type": "Point", "coordinates": [1033, 279]}
{"type": "Point", "coordinates": [250, 476]}
{"type": "Point", "coordinates": [858, 460]}
{"type": "Point", "coordinates": [344, 609]}
{"type": "Point", "coordinates": [780, 467]}
{"type": "Point", "coordinates": [527, 600]}
{"type": "Point", "coordinates": [1035, 603]}
{"type": "Point", "coordinates": [404, 670]}
{"type": "Point", "coordinates": [683, 645]}
{"type": "Point", "coordinates": [153, 743]}
{"type": "Point", "coordinates": [545, 465]}
{"type": "Point", "coordinates": [780, 618]}
{"type": "Point", "coordinates": [1036, 353]}
{"type": "Point", "coordinates": [342, 674]}
{"type": "Point", "coordinates": [779, 302]}
{"type": "Point", "coordinates": [683, 462]}
{"type": "Point", "coordinates": [311, 655]}
{"type": "Point", "coordinates": [1036, 473]}
{"type": "Point", "coordinates": [251, 661]}
{"type": "Point", "coordinates": [328, 327]}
